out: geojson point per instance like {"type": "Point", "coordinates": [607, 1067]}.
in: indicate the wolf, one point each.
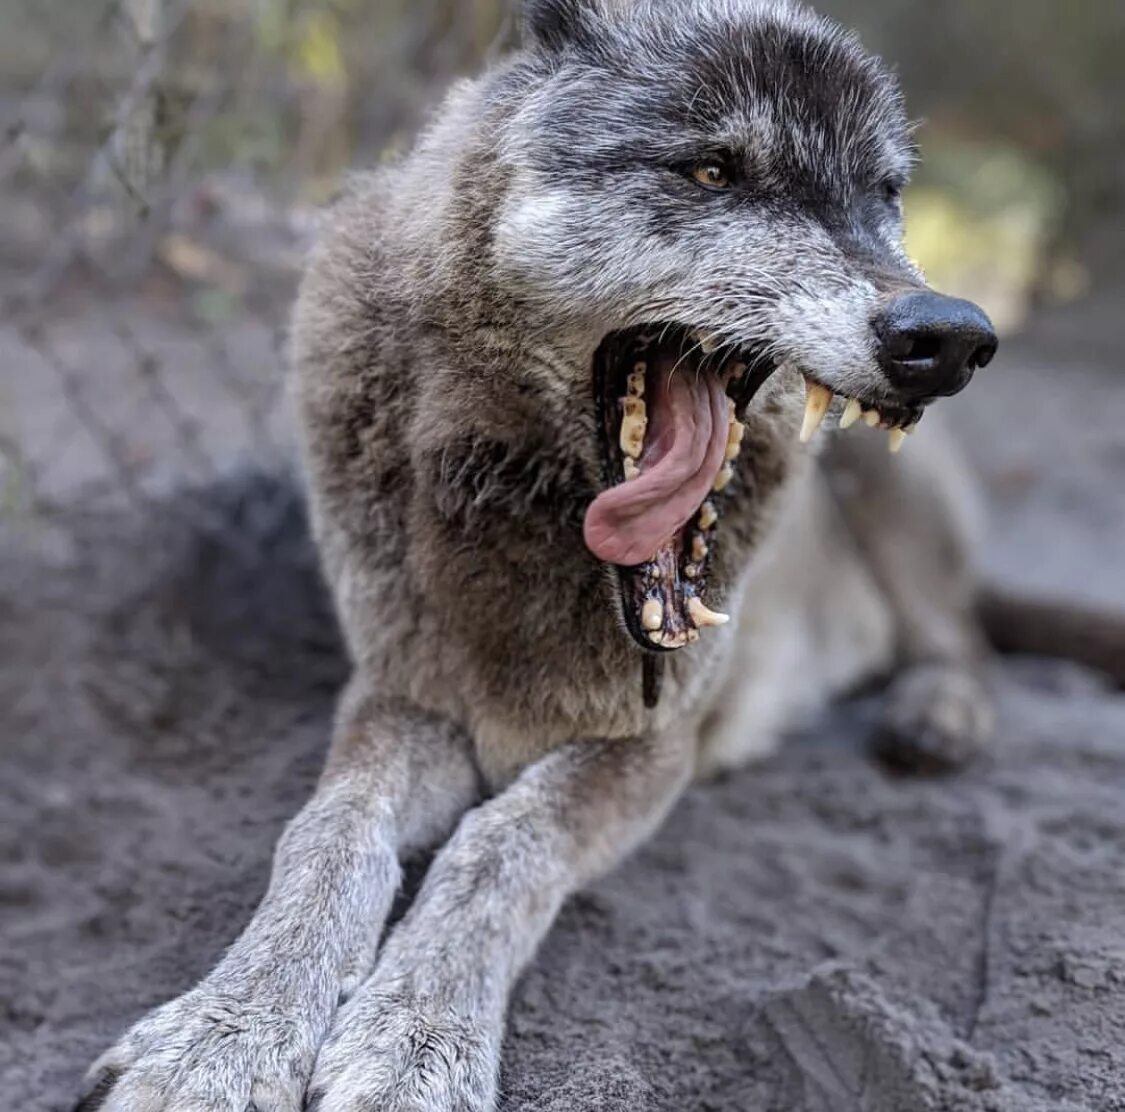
{"type": "Point", "coordinates": [566, 376]}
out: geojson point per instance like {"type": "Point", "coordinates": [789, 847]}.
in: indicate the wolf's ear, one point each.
{"type": "Point", "coordinates": [554, 23]}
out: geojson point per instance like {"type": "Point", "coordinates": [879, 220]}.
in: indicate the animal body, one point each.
{"type": "Point", "coordinates": [561, 374]}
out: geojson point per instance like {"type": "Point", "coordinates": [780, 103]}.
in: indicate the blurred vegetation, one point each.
{"type": "Point", "coordinates": [1022, 195]}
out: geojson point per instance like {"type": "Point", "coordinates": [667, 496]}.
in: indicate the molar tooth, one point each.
{"type": "Point", "coordinates": [632, 471]}
{"type": "Point", "coordinates": [708, 515]}
{"type": "Point", "coordinates": [675, 640]}
{"type": "Point", "coordinates": [872, 419]}
{"type": "Point", "coordinates": [652, 615]}
{"type": "Point", "coordinates": [691, 571]}
{"type": "Point", "coordinates": [692, 636]}
{"type": "Point", "coordinates": [699, 549]}
{"type": "Point", "coordinates": [724, 477]}
{"type": "Point", "coordinates": [734, 440]}
{"type": "Point", "coordinates": [633, 426]}
{"type": "Point", "coordinates": [704, 617]}
{"type": "Point", "coordinates": [637, 381]}
{"type": "Point", "coordinates": [897, 438]}
{"type": "Point", "coordinates": [853, 411]}
{"type": "Point", "coordinates": [817, 401]}
{"type": "Point", "coordinates": [708, 342]}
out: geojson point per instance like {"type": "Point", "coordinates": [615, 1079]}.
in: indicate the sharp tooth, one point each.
{"type": "Point", "coordinates": [853, 411]}
{"type": "Point", "coordinates": [633, 425]}
{"type": "Point", "coordinates": [896, 441]}
{"type": "Point", "coordinates": [632, 471]}
{"type": "Point", "coordinates": [818, 400]}
{"type": "Point", "coordinates": [872, 419]}
{"type": "Point", "coordinates": [708, 515]}
{"type": "Point", "coordinates": [652, 615]}
{"type": "Point", "coordinates": [699, 549]}
{"type": "Point", "coordinates": [724, 477]}
{"type": "Point", "coordinates": [702, 616]}
{"type": "Point", "coordinates": [734, 440]}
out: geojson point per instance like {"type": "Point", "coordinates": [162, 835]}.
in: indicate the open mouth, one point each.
{"type": "Point", "coordinates": [670, 409]}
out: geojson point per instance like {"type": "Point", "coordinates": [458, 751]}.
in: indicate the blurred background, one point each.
{"type": "Point", "coordinates": [161, 162]}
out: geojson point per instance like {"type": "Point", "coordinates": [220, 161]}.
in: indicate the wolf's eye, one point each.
{"type": "Point", "coordinates": [892, 191]}
{"type": "Point", "coordinates": [712, 174]}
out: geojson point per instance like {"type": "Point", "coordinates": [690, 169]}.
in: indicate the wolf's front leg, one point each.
{"type": "Point", "coordinates": [424, 1033]}
{"type": "Point", "coordinates": [246, 1038]}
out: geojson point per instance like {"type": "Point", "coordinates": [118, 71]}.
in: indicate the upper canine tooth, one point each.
{"type": "Point", "coordinates": [633, 425]}
{"type": "Point", "coordinates": [702, 616]}
{"type": "Point", "coordinates": [853, 411]}
{"type": "Point", "coordinates": [652, 615]}
{"type": "Point", "coordinates": [897, 440]}
{"type": "Point", "coordinates": [818, 399]}
{"type": "Point", "coordinates": [872, 419]}
{"type": "Point", "coordinates": [708, 515]}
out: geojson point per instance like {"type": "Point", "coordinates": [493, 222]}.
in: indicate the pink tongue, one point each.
{"type": "Point", "coordinates": [684, 448]}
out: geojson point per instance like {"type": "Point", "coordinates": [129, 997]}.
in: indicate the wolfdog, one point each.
{"type": "Point", "coordinates": [562, 373]}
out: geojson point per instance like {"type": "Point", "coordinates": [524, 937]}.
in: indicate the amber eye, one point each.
{"type": "Point", "coordinates": [712, 175]}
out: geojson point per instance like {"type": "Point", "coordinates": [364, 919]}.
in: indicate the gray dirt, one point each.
{"type": "Point", "coordinates": [808, 936]}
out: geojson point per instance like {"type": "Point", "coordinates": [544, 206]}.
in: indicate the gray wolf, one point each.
{"type": "Point", "coordinates": [562, 373]}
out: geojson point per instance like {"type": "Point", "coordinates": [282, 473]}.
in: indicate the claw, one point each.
{"type": "Point", "coordinates": [94, 1096]}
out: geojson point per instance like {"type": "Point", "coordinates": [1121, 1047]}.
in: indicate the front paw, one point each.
{"type": "Point", "coordinates": [389, 1051]}
{"type": "Point", "coordinates": [209, 1051]}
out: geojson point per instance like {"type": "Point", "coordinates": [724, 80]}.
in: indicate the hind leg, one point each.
{"type": "Point", "coordinates": [912, 518]}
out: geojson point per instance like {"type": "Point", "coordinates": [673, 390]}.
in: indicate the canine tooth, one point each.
{"type": "Point", "coordinates": [632, 471]}
{"type": "Point", "coordinates": [896, 441]}
{"type": "Point", "coordinates": [633, 426]}
{"type": "Point", "coordinates": [872, 419]}
{"type": "Point", "coordinates": [652, 615]}
{"type": "Point", "coordinates": [708, 515]}
{"type": "Point", "coordinates": [723, 479]}
{"type": "Point", "coordinates": [818, 399]}
{"type": "Point", "coordinates": [699, 549]}
{"type": "Point", "coordinates": [704, 617]}
{"type": "Point", "coordinates": [734, 440]}
{"type": "Point", "coordinates": [853, 411]}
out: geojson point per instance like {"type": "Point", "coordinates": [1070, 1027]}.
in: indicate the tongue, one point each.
{"type": "Point", "coordinates": [684, 448]}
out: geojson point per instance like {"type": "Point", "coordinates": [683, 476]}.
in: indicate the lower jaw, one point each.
{"type": "Point", "coordinates": [664, 600]}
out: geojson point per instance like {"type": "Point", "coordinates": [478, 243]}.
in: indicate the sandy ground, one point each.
{"type": "Point", "coordinates": [807, 936]}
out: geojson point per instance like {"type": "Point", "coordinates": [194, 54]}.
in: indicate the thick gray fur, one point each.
{"type": "Point", "coordinates": [443, 343]}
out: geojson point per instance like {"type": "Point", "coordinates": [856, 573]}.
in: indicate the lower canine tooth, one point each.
{"type": "Point", "coordinates": [897, 440]}
{"type": "Point", "coordinates": [652, 615]}
{"type": "Point", "coordinates": [704, 617]}
{"type": "Point", "coordinates": [818, 399]}
{"type": "Point", "coordinates": [853, 411]}
{"type": "Point", "coordinates": [872, 419]}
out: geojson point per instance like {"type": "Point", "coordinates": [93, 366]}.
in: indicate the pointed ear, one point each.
{"type": "Point", "coordinates": [554, 23]}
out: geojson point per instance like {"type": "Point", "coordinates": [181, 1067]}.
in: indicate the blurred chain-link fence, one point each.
{"type": "Point", "coordinates": [161, 162]}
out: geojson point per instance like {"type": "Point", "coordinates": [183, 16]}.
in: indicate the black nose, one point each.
{"type": "Point", "coordinates": [930, 345]}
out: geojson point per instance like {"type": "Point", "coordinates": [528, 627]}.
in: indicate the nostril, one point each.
{"type": "Point", "coordinates": [982, 356]}
{"type": "Point", "coordinates": [921, 349]}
